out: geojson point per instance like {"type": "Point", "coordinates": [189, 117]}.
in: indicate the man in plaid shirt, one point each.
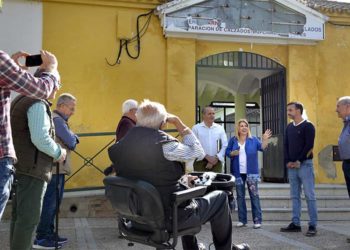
{"type": "Point", "coordinates": [14, 76]}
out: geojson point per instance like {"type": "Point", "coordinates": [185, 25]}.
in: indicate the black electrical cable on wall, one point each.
{"type": "Point", "coordinates": [126, 42]}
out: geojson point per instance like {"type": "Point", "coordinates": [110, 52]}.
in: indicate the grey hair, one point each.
{"type": "Point", "coordinates": [65, 98]}
{"type": "Point", "coordinates": [151, 114]}
{"type": "Point", "coordinates": [129, 105]}
{"type": "Point", "coordinates": [204, 109]}
{"type": "Point", "coordinates": [344, 100]}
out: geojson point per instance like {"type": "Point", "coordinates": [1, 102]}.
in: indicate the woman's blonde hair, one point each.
{"type": "Point", "coordinates": [237, 127]}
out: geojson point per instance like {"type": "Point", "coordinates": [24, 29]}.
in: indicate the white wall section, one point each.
{"type": "Point", "coordinates": [21, 26]}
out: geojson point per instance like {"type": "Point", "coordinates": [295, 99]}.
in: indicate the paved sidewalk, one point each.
{"type": "Point", "coordinates": [101, 234]}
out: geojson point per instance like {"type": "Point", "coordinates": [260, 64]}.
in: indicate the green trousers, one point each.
{"type": "Point", "coordinates": [199, 166]}
{"type": "Point", "coordinates": [26, 209]}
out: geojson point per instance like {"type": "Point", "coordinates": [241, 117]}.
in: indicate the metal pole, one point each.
{"type": "Point", "coordinates": [57, 202]}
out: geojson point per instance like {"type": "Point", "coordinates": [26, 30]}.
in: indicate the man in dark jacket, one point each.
{"type": "Point", "coordinates": [147, 150]}
{"type": "Point", "coordinates": [33, 137]}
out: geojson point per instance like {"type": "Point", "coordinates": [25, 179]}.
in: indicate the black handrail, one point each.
{"type": "Point", "coordinates": [89, 161]}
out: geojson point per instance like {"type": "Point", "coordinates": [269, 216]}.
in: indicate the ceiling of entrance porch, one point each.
{"type": "Point", "coordinates": [232, 81]}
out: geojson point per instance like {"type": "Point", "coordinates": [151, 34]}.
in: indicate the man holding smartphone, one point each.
{"type": "Point", "coordinates": [13, 76]}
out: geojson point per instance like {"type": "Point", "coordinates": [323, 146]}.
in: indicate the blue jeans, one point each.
{"type": "Point", "coordinates": [303, 176]}
{"type": "Point", "coordinates": [254, 199]}
{"type": "Point", "coordinates": [45, 229]}
{"type": "Point", "coordinates": [346, 170]}
{"type": "Point", "coordinates": [6, 180]}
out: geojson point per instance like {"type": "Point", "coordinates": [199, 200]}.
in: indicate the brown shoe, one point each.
{"type": "Point", "coordinates": [348, 240]}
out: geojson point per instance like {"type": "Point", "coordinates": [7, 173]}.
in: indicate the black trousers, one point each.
{"type": "Point", "coordinates": [212, 207]}
{"type": "Point", "coordinates": [346, 170]}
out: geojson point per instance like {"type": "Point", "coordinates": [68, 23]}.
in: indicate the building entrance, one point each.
{"type": "Point", "coordinates": [251, 86]}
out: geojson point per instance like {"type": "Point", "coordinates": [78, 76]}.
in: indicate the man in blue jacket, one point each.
{"type": "Point", "coordinates": [343, 110]}
{"type": "Point", "coordinates": [45, 237]}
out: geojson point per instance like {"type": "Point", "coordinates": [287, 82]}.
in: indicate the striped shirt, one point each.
{"type": "Point", "coordinates": [12, 77]}
{"type": "Point", "coordinates": [189, 149]}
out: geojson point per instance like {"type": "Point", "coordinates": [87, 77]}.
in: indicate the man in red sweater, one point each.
{"type": "Point", "coordinates": [127, 122]}
{"type": "Point", "coordinates": [128, 119]}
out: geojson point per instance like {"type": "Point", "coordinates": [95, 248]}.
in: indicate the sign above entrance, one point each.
{"type": "Point", "coordinates": [265, 21]}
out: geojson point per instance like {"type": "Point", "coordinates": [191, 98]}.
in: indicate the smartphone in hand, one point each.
{"type": "Point", "coordinates": [33, 60]}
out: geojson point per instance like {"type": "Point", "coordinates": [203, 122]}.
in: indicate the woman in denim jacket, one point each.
{"type": "Point", "coordinates": [243, 152]}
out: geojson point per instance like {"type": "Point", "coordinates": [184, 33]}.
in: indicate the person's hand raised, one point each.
{"type": "Point", "coordinates": [49, 61]}
{"type": "Point", "coordinates": [172, 119]}
{"type": "Point", "coordinates": [17, 56]}
{"type": "Point", "coordinates": [267, 135]}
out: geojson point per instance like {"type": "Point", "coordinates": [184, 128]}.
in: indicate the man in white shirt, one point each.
{"type": "Point", "coordinates": [213, 139]}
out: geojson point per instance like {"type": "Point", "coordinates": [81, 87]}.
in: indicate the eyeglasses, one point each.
{"type": "Point", "coordinates": [72, 109]}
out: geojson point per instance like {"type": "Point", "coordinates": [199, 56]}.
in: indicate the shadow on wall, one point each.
{"type": "Point", "coordinates": [325, 159]}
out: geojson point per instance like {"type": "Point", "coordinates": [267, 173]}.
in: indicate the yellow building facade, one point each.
{"type": "Point", "coordinates": [84, 35]}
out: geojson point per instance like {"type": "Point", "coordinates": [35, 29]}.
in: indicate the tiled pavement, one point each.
{"type": "Point", "coordinates": [101, 233]}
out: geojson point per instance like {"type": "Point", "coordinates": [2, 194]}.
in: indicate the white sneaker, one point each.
{"type": "Point", "coordinates": [240, 224]}
{"type": "Point", "coordinates": [201, 246]}
{"type": "Point", "coordinates": [257, 225]}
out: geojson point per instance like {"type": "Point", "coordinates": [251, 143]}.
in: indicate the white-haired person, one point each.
{"type": "Point", "coordinates": [146, 144]}
{"type": "Point", "coordinates": [127, 122]}
{"type": "Point", "coordinates": [128, 119]}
